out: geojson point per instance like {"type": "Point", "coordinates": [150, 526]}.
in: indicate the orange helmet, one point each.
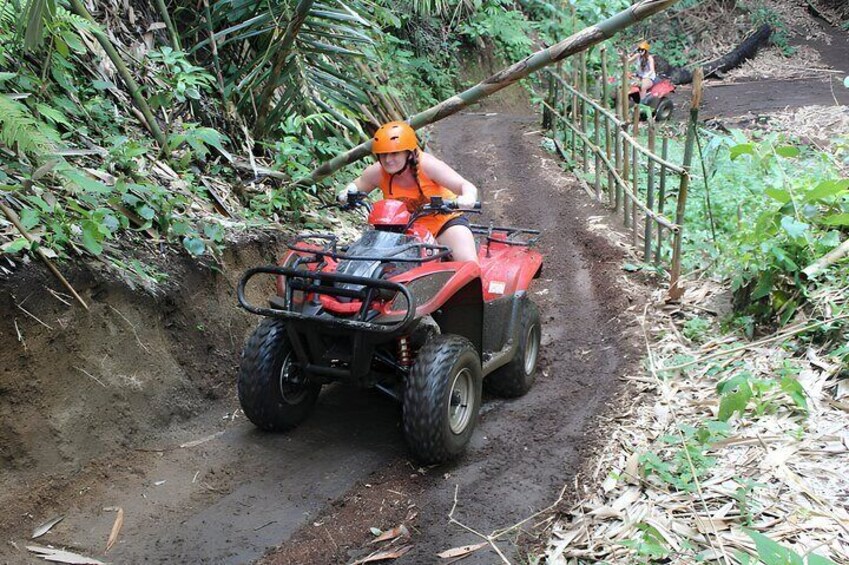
{"type": "Point", "coordinates": [644, 45]}
{"type": "Point", "coordinates": [394, 136]}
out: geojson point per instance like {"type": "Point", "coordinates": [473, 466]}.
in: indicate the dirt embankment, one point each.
{"type": "Point", "coordinates": [81, 389]}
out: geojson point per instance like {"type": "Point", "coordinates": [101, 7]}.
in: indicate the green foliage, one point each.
{"type": "Point", "coordinates": [688, 460]}
{"type": "Point", "coordinates": [650, 546]}
{"type": "Point", "coordinates": [765, 395]}
{"type": "Point", "coordinates": [773, 553]}
{"type": "Point", "coordinates": [696, 329]}
{"type": "Point", "coordinates": [177, 78]}
{"type": "Point", "coordinates": [760, 14]}
{"type": "Point", "coordinates": [775, 207]}
{"type": "Point", "coordinates": [505, 26]}
{"type": "Point", "coordinates": [20, 130]}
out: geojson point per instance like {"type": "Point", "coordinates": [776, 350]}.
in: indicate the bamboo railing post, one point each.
{"type": "Point", "coordinates": [617, 149]}
{"type": "Point", "coordinates": [604, 86]}
{"type": "Point", "coordinates": [649, 227]}
{"type": "Point", "coordinates": [547, 118]}
{"type": "Point", "coordinates": [605, 94]}
{"type": "Point", "coordinates": [596, 140]}
{"type": "Point", "coordinates": [623, 89]}
{"type": "Point", "coordinates": [585, 165]}
{"type": "Point", "coordinates": [574, 111]}
{"type": "Point", "coordinates": [661, 197]}
{"type": "Point", "coordinates": [635, 168]}
{"type": "Point", "coordinates": [675, 290]}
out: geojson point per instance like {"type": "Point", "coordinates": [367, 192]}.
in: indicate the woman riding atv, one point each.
{"type": "Point", "coordinates": [644, 67]}
{"type": "Point", "coordinates": [404, 172]}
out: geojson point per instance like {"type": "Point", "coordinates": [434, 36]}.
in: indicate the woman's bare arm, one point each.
{"type": "Point", "coordinates": [445, 176]}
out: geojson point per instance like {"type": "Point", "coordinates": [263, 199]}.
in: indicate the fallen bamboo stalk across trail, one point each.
{"type": "Point", "coordinates": [573, 44]}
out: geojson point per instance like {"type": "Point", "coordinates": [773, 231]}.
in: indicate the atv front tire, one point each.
{"type": "Point", "coordinates": [442, 398]}
{"type": "Point", "coordinates": [273, 392]}
{"type": "Point", "coordinates": [516, 377]}
{"type": "Point", "coordinates": [664, 110]}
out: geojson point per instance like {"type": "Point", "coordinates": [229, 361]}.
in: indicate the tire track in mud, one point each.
{"type": "Point", "coordinates": [525, 450]}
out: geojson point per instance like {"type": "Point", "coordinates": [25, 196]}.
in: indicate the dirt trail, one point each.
{"type": "Point", "coordinates": [762, 96]}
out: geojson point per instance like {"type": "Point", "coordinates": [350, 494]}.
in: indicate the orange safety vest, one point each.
{"type": "Point", "coordinates": [413, 199]}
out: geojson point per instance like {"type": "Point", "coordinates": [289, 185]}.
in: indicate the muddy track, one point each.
{"type": "Point", "coordinates": [209, 488]}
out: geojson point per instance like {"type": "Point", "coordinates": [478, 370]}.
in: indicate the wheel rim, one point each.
{"type": "Point", "coordinates": [292, 389]}
{"type": "Point", "coordinates": [664, 112]}
{"type": "Point", "coordinates": [461, 401]}
{"type": "Point", "coordinates": [531, 349]}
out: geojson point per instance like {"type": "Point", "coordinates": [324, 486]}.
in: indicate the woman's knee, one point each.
{"type": "Point", "coordinates": [461, 241]}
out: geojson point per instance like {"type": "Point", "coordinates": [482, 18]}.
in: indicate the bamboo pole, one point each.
{"type": "Point", "coordinates": [172, 32]}
{"type": "Point", "coordinates": [661, 197]}
{"type": "Point", "coordinates": [207, 15]}
{"type": "Point", "coordinates": [827, 260]}
{"type": "Point", "coordinates": [282, 52]}
{"type": "Point", "coordinates": [635, 183]}
{"type": "Point", "coordinates": [649, 228]}
{"type": "Point", "coordinates": [617, 148]}
{"type": "Point", "coordinates": [605, 87]}
{"type": "Point", "coordinates": [573, 44]}
{"type": "Point", "coordinates": [135, 91]}
{"type": "Point", "coordinates": [597, 140]}
{"type": "Point", "coordinates": [573, 109]}
{"type": "Point", "coordinates": [675, 289]}
{"type": "Point", "coordinates": [16, 221]}
{"type": "Point", "coordinates": [585, 165]}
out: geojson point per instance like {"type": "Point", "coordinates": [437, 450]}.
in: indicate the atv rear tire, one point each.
{"type": "Point", "coordinates": [274, 395]}
{"type": "Point", "coordinates": [664, 110]}
{"type": "Point", "coordinates": [516, 377]}
{"type": "Point", "coordinates": [442, 398]}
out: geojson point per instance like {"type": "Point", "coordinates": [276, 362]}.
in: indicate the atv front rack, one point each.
{"type": "Point", "coordinates": [318, 282]}
{"type": "Point", "coordinates": [508, 235]}
{"type": "Point", "coordinates": [330, 249]}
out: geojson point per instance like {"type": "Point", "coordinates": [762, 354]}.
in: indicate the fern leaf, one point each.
{"type": "Point", "coordinates": [20, 129]}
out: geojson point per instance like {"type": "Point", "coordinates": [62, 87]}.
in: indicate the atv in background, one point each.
{"type": "Point", "coordinates": [393, 311]}
{"type": "Point", "coordinates": [657, 98]}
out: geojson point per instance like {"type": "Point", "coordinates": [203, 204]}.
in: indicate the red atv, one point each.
{"type": "Point", "coordinates": [393, 311]}
{"type": "Point", "coordinates": [657, 98]}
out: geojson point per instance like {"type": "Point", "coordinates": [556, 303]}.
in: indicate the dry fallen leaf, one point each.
{"type": "Point", "coordinates": [116, 526]}
{"type": "Point", "coordinates": [381, 555]}
{"type": "Point", "coordinates": [61, 556]}
{"type": "Point", "coordinates": [463, 550]}
{"type": "Point", "coordinates": [45, 527]}
{"type": "Point", "coordinates": [395, 532]}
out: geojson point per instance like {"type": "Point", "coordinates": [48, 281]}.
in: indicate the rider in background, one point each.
{"type": "Point", "coordinates": [644, 67]}
{"type": "Point", "coordinates": [404, 172]}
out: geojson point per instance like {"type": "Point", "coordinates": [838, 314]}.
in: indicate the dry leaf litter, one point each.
{"type": "Point", "coordinates": [795, 464]}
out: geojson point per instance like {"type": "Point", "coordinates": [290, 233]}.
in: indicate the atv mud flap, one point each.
{"type": "Point", "coordinates": [329, 346]}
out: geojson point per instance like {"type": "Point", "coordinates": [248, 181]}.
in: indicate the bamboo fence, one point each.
{"type": "Point", "coordinates": [636, 179]}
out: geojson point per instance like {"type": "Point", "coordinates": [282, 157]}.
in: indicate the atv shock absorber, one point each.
{"type": "Point", "coordinates": [405, 359]}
